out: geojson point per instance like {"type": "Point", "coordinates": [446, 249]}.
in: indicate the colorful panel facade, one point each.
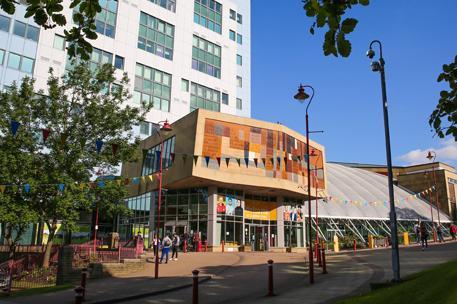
{"type": "Point", "coordinates": [257, 151]}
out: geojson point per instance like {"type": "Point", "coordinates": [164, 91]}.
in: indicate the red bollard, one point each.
{"type": "Point", "coordinates": [355, 246]}
{"type": "Point", "coordinates": [223, 243]}
{"type": "Point", "coordinates": [185, 246]}
{"type": "Point", "coordinates": [206, 246]}
{"type": "Point", "coordinates": [270, 278]}
{"type": "Point", "coordinates": [83, 282]}
{"type": "Point", "coordinates": [195, 286]}
{"type": "Point", "coordinates": [79, 291]}
{"type": "Point", "coordinates": [324, 265]}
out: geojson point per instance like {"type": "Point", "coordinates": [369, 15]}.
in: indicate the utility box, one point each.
{"type": "Point", "coordinates": [406, 238]}
{"type": "Point", "coordinates": [370, 241]}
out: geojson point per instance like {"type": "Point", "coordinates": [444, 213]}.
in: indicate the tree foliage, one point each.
{"type": "Point", "coordinates": [444, 118]}
{"type": "Point", "coordinates": [329, 13]}
{"type": "Point", "coordinates": [83, 107]}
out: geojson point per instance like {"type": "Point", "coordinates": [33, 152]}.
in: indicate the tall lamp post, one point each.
{"type": "Point", "coordinates": [431, 207]}
{"type": "Point", "coordinates": [302, 96]}
{"type": "Point", "coordinates": [431, 156]}
{"type": "Point", "coordinates": [378, 66]}
{"type": "Point", "coordinates": [165, 127]}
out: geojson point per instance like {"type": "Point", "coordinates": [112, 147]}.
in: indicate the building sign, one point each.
{"type": "Point", "coordinates": [260, 210]}
{"type": "Point", "coordinates": [293, 214]}
{"type": "Point", "coordinates": [229, 205]}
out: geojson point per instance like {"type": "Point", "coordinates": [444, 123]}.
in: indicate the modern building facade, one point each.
{"type": "Point", "coordinates": [180, 55]}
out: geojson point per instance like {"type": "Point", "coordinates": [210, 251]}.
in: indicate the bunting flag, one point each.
{"type": "Point", "coordinates": [61, 187]}
{"type": "Point", "coordinates": [279, 160]}
{"type": "Point", "coordinates": [135, 180]}
{"type": "Point", "coordinates": [285, 161]}
{"type": "Point", "coordinates": [227, 161]}
{"type": "Point", "coordinates": [2, 188]}
{"type": "Point", "coordinates": [246, 160]}
{"type": "Point", "coordinates": [45, 133]}
{"type": "Point", "coordinates": [255, 162]}
{"type": "Point", "coordinates": [184, 158]}
{"type": "Point", "coordinates": [172, 157]}
{"type": "Point", "coordinates": [195, 159]}
{"type": "Point", "coordinates": [143, 179]}
{"type": "Point", "coordinates": [150, 178]}
{"type": "Point", "coordinates": [101, 184]}
{"type": "Point", "coordinates": [27, 188]}
{"type": "Point", "coordinates": [238, 160]}
{"type": "Point", "coordinates": [114, 148]}
{"type": "Point", "coordinates": [218, 161]}
{"type": "Point", "coordinates": [99, 145]}
{"type": "Point", "coordinates": [82, 186]}
{"type": "Point", "coordinates": [272, 160]}
{"type": "Point", "coordinates": [14, 127]}
{"type": "Point", "coordinates": [126, 181]}
{"type": "Point", "coordinates": [207, 160]}
{"type": "Point", "coordinates": [264, 161]}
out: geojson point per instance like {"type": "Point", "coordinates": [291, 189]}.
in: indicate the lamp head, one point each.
{"type": "Point", "coordinates": [430, 156]}
{"type": "Point", "coordinates": [301, 95]}
{"type": "Point", "coordinates": [370, 53]}
{"type": "Point", "coordinates": [166, 127]}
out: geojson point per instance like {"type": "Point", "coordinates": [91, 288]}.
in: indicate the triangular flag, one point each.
{"type": "Point", "coordinates": [2, 188]}
{"type": "Point", "coordinates": [81, 186]}
{"type": "Point", "coordinates": [127, 181]}
{"type": "Point", "coordinates": [264, 160]}
{"type": "Point", "coordinates": [143, 179]}
{"type": "Point", "coordinates": [246, 161]}
{"type": "Point", "coordinates": [184, 157]}
{"type": "Point", "coordinates": [172, 157]}
{"type": "Point", "coordinates": [101, 184]}
{"type": "Point", "coordinates": [218, 161]}
{"type": "Point", "coordinates": [61, 187]}
{"type": "Point", "coordinates": [207, 160]}
{"type": "Point", "coordinates": [195, 159]}
{"type": "Point", "coordinates": [99, 145]}
{"type": "Point", "coordinates": [272, 161]}
{"type": "Point", "coordinates": [14, 127]}
{"type": "Point", "coordinates": [135, 181]}
{"type": "Point", "coordinates": [227, 161]}
{"type": "Point", "coordinates": [150, 177]}
{"type": "Point", "coordinates": [255, 162]}
{"type": "Point", "coordinates": [45, 133]}
{"type": "Point", "coordinates": [299, 158]}
{"type": "Point", "coordinates": [114, 148]}
{"type": "Point", "coordinates": [279, 160]}
{"type": "Point", "coordinates": [27, 188]}
{"type": "Point", "coordinates": [238, 161]}
{"type": "Point", "coordinates": [119, 182]}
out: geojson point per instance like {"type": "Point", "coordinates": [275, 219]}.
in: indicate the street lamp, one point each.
{"type": "Point", "coordinates": [166, 127]}
{"type": "Point", "coordinates": [378, 66]}
{"type": "Point", "coordinates": [431, 206]}
{"type": "Point", "coordinates": [302, 96]}
{"type": "Point", "coordinates": [431, 156]}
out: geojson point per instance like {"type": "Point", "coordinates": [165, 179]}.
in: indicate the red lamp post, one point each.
{"type": "Point", "coordinates": [165, 127]}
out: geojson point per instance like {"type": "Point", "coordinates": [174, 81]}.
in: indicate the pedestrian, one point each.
{"type": "Point", "coordinates": [174, 247]}
{"type": "Point", "coordinates": [439, 231]}
{"type": "Point", "coordinates": [424, 235]}
{"type": "Point", "coordinates": [166, 243]}
{"type": "Point", "coordinates": [155, 243]}
{"type": "Point", "coordinates": [453, 230]}
{"type": "Point", "coordinates": [417, 232]}
{"type": "Point", "coordinates": [265, 240]}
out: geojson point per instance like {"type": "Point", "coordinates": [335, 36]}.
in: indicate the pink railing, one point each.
{"type": "Point", "coordinates": [84, 254]}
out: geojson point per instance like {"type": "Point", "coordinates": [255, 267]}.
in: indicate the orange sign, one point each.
{"type": "Point", "coordinates": [260, 210]}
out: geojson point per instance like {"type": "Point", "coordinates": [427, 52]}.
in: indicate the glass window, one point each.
{"type": "Point", "coordinates": [239, 18]}
{"type": "Point", "coordinates": [144, 128]}
{"type": "Point", "coordinates": [27, 65]}
{"type": "Point", "coordinates": [232, 14]}
{"type": "Point", "coordinates": [119, 62]}
{"type": "Point", "coordinates": [185, 85]}
{"type": "Point", "coordinates": [2, 56]}
{"type": "Point", "coordinates": [239, 81]}
{"type": "Point", "coordinates": [153, 82]}
{"type": "Point", "coordinates": [225, 98]}
{"type": "Point", "coordinates": [106, 19]}
{"type": "Point", "coordinates": [14, 61]}
{"type": "Point", "coordinates": [232, 35]}
{"type": "Point", "coordinates": [239, 60]}
{"type": "Point", "coordinates": [206, 57]}
{"type": "Point", "coordinates": [19, 28]}
{"type": "Point", "coordinates": [156, 36]}
{"type": "Point", "coordinates": [4, 23]}
{"type": "Point", "coordinates": [204, 97]}
{"type": "Point", "coordinates": [166, 4]}
{"type": "Point", "coordinates": [208, 14]}
{"type": "Point", "coordinates": [32, 33]}
{"type": "Point", "coordinates": [239, 104]}
{"type": "Point", "coordinates": [59, 42]}
{"type": "Point", "coordinates": [239, 39]}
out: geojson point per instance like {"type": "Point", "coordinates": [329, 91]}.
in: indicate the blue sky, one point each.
{"type": "Point", "coordinates": [417, 36]}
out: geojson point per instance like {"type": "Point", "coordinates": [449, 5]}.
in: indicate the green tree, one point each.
{"type": "Point", "coordinates": [329, 14]}
{"type": "Point", "coordinates": [81, 109]}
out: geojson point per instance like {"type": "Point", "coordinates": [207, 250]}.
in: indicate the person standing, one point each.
{"type": "Point", "coordinates": [417, 232]}
{"type": "Point", "coordinates": [155, 243]}
{"type": "Point", "coordinates": [175, 247]}
{"type": "Point", "coordinates": [439, 231]}
{"type": "Point", "coordinates": [166, 243]}
{"type": "Point", "coordinates": [453, 230]}
{"type": "Point", "coordinates": [424, 235]}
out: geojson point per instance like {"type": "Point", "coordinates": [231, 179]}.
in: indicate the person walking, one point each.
{"type": "Point", "coordinates": [453, 230]}
{"type": "Point", "coordinates": [166, 243]}
{"type": "Point", "coordinates": [155, 244]}
{"type": "Point", "coordinates": [417, 232]}
{"type": "Point", "coordinates": [439, 231]}
{"type": "Point", "coordinates": [424, 235]}
{"type": "Point", "coordinates": [175, 247]}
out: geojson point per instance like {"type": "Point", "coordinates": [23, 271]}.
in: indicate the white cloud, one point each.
{"type": "Point", "coordinates": [447, 152]}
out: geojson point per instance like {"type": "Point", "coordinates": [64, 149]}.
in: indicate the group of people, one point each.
{"type": "Point", "coordinates": [421, 232]}
{"type": "Point", "coordinates": [164, 245]}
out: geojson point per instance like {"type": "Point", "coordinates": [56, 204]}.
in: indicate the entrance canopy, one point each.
{"type": "Point", "coordinates": [359, 194]}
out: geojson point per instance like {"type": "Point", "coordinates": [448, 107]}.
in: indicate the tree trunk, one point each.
{"type": "Point", "coordinates": [47, 253]}
{"type": "Point", "coordinates": [9, 241]}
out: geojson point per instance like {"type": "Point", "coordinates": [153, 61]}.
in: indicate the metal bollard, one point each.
{"type": "Point", "coordinates": [206, 246]}
{"type": "Point", "coordinates": [355, 246]}
{"type": "Point", "coordinates": [79, 291]}
{"type": "Point", "coordinates": [270, 278]}
{"type": "Point", "coordinates": [223, 243]}
{"type": "Point", "coordinates": [185, 246]}
{"type": "Point", "coordinates": [195, 286]}
{"type": "Point", "coordinates": [324, 264]}
{"type": "Point", "coordinates": [83, 282]}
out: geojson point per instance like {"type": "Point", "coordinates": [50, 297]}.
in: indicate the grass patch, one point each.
{"type": "Point", "coordinates": [434, 285]}
{"type": "Point", "coordinates": [39, 290]}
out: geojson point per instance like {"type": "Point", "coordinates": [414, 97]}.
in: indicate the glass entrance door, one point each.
{"type": "Point", "coordinates": [255, 236]}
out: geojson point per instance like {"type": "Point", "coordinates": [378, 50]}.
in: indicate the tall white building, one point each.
{"type": "Point", "coordinates": [179, 54]}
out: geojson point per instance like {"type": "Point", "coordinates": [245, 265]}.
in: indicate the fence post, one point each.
{"type": "Point", "coordinates": [195, 286]}
{"type": "Point", "coordinates": [10, 275]}
{"type": "Point", "coordinates": [79, 295]}
{"type": "Point", "coordinates": [355, 246]}
{"type": "Point", "coordinates": [185, 246]}
{"type": "Point", "coordinates": [206, 246]}
{"type": "Point", "coordinates": [270, 278]}
{"type": "Point", "coordinates": [324, 264]}
{"type": "Point", "coordinates": [83, 282]}
{"type": "Point", "coordinates": [223, 243]}
{"type": "Point", "coordinates": [119, 254]}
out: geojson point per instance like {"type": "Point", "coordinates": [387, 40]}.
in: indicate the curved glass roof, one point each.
{"type": "Point", "coordinates": [346, 185]}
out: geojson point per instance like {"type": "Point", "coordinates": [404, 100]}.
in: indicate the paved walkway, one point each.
{"type": "Point", "coordinates": [242, 277]}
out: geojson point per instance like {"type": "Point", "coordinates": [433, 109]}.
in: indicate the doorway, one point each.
{"type": "Point", "coordinates": [257, 237]}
